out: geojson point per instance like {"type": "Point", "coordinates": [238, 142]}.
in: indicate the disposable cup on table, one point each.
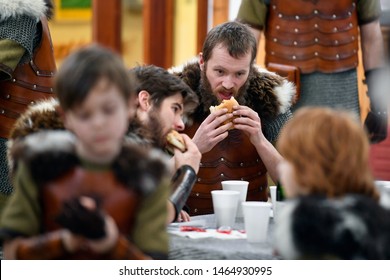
{"type": "Point", "coordinates": [225, 206]}
{"type": "Point", "coordinates": [240, 186]}
{"type": "Point", "coordinates": [256, 219]}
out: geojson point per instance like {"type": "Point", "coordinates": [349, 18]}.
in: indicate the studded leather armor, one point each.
{"type": "Point", "coordinates": [314, 35]}
{"type": "Point", "coordinates": [234, 158]}
{"type": "Point", "coordinates": [30, 82]}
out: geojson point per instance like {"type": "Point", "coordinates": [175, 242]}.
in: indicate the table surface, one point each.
{"type": "Point", "coordinates": [186, 248]}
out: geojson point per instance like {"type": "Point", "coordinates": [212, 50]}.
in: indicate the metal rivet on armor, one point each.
{"type": "Point", "coordinates": [257, 160]}
{"type": "Point", "coordinates": [280, 15]}
{"type": "Point", "coordinates": [353, 38]}
{"type": "Point", "coordinates": [51, 89]}
{"type": "Point", "coordinates": [337, 56]}
{"type": "Point", "coordinates": [32, 102]}
{"type": "Point", "coordinates": [37, 72]}
{"type": "Point", "coordinates": [34, 86]}
{"type": "Point", "coordinates": [200, 164]}
{"type": "Point", "coordinates": [316, 53]}
{"type": "Point", "coordinates": [353, 5]}
{"type": "Point", "coordinates": [316, 25]}
{"type": "Point", "coordinates": [241, 164]}
{"type": "Point", "coordinates": [294, 57]}
{"type": "Point", "coordinates": [221, 159]}
{"type": "Point", "coordinates": [274, 7]}
{"type": "Point", "coordinates": [273, 53]}
{"type": "Point", "coordinates": [336, 42]}
{"type": "Point", "coordinates": [297, 17]}
{"type": "Point", "coordinates": [242, 179]}
{"type": "Point", "coordinates": [196, 210]}
{"type": "Point", "coordinates": [354, 51]}
{"type": "Point", "coordinates": [334, 16]}
{"type": "Point", "coordinates": [13, 80]}
{"type": "Point", "coordinates": [2, 112]}
{"type": "Point", "coordinates": [316, 40]}
{"type": "Point", "coordinates": [199, 180]}
{"type": "Point", "coordinates": [8, 96]}
{"type": "Point", "coordinates": [222, 175]}
{"type": "Point", "coordinates": [351, 24]}
{"type": "Point", "coordinates": [197, 194]}
{"type": "Point", "coordinates": [296, 30]}
{"type": "Point", "coordinates": [295, 43]}
{"type": "Point", "coordinates": [349, 13]}
{"type": "Point", "coordinates": [335, 29]}
{"type": "Point", "coordinates": [278, 27]}
{"type": "Point", "coordinates": [315, 12]}
{"type": "Point", "coordinates": [275, 39]}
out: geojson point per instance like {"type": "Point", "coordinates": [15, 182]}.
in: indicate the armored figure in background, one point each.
{"type": "Point", "coordinates": [27, 67]}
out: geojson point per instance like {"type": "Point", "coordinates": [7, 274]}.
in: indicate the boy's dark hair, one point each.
{"type": "Point", "coordinates": [82, 70]}
{"type": "Point", "coordinates": [160, 84]}
{"type": "Point", "coordinates": [235, 36]}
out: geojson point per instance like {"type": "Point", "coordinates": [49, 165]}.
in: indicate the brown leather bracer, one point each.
{"type": "Point", "coordinates": [316, 35]}
{"type": "Point", "coordinates": [118, 200]}
{"type": "Point", "coordinates": [30, 82]}
{"type": "Point", "coordinates": [234, 158]}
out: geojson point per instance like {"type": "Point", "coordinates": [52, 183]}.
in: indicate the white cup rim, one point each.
{"type": "Point", "coordinates": [225, 192]}
{"type": "Point", "coordinates": [234, 181]}
{"type": "Point", "coordinates": [256, 203]}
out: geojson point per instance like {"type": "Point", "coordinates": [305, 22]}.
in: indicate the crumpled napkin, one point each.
{"type": "Point", "coordinates": [174, 228]}
{"type": "Point", "coordinates": [210, 233]}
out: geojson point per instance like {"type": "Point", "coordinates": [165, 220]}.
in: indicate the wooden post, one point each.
{"type": "Point", "coordinates": [158, 32]}
{"type": "Point", "coordinates": [202, 18]}
{"type": "Point", "coordinates": [106, 23]}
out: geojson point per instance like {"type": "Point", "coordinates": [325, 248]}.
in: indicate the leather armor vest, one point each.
{"type": "Point", "coordinates": [118, 200]}
{"type": "Point", "coordinates": [314, 35]}
{"type": "Point", "coordinates": [30, 81]}
{"type": "Point", "coordinates": [234, 158]}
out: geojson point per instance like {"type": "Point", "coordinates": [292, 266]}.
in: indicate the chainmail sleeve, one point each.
{"type": "Point", "coordinates": [271, 128]}
{"type": "Point", "coordinates": [21, 29]}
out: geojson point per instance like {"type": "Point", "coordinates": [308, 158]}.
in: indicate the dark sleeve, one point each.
{"type": "Point", "coordinates": [368, 11]}
{"type": "Point", "coordinates": [253, 13]}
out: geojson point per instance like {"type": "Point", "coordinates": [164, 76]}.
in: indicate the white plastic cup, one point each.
{"type": "Point", "coordinates": [225, 206]}
{"type": "Point", "coordinates": [256, 219]}
{"type": "Point", "coordinates": [241, 187]}
{"type": "Point", "coordinates": [272, 190]}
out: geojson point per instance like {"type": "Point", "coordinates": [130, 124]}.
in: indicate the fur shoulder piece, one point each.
{"type": "Point", "coordinates": [353, 227]}
{"type": "Point", "coordinates": [40, 150]}
{"type": "Point", "coordinates": [40, 116]}
{"type": "Point", "coordinates": [267, 93]}
{"type": "Point", "coordinates": [33, 8]}
{"type": "Point", "coordinates": [142, 168]}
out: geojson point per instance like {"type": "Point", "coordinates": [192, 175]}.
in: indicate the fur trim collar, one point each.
{"type": "Point", "coordinates": [138, 168]}
{"type": "Point", "coordinates": [33, 8]}
{"type": "Point", "coordinates": [267, 93]}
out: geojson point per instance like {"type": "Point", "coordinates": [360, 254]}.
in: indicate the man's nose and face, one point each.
{"type": "Point", "coordinates": [226, 74]}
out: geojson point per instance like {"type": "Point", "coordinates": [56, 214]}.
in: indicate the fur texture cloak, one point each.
{"type": "Point", "coordinates": [267, 93]}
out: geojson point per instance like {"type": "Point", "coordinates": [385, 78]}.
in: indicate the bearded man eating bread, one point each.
{"type": "Point", "coordinates": [235, 145]}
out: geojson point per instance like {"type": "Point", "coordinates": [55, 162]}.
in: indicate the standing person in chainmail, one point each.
{"type": "Point", "coordinates": [27, 67]}
{"type": "Point", "coordinates": [321, 38]}
{"type": "Point", "coordinates": [241, 148]}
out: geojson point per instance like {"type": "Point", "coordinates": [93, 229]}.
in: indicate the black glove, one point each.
{"type": "Point", "coordinates": [377, 81]}
{"type": "Point", "coordinates": [183, 181]}
{"type": "Point", "coordinates": [81, 220]}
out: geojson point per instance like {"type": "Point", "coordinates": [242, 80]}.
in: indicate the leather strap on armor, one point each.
{"type": "Point", "coordinates": [183, 181]}
{"type": "Point", "coordinates": [234, 158]}
{"type": "Point", "coordinates": [313, 35]}
{"type": "Point", "coordinates": [30, 82]}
